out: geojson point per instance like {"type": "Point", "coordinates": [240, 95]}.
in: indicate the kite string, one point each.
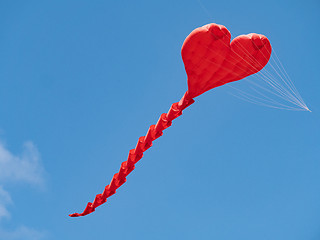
{"type": "Point", "coordinates": [144, 143]}
{"type": "Point", "coordinates": [292, 95]}
{"type": "Point", "coordinates": [268, 78]}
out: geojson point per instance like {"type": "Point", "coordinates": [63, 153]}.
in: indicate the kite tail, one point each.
{"type": "Point", "coordinates": [144, 143]}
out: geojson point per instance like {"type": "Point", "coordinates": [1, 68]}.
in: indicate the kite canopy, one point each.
{"type": "Point", "coordinates": [210, 61]}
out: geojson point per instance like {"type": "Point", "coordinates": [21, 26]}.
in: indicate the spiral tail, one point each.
{"type": "Point", "coordinates": [144, 143]}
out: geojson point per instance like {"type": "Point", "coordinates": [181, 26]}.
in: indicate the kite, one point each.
{"type": "Point", "coordinates": [210, 60]}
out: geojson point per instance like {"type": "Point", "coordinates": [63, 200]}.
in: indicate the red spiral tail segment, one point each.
{"type": "Point", "coordinates": [144, 143]}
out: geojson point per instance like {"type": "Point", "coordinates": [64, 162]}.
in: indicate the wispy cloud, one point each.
{"type": "Point", "coordinates": [5, 199]}
{"type": "Point", "coordinates": [22, 233]}
{"type": "Point", "coordinates": [25, 168]}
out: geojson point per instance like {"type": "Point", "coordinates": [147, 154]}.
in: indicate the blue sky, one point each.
{"type": "Point", "coordinates": [80, 81]}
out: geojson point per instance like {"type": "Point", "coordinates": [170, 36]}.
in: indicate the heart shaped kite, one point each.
{"type": "Point", "coordinates": [210, 61]}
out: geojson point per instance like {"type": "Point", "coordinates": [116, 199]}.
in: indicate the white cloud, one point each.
{"type": "Point", "coordinates": [21, 233]}
{"type": "Point", "coordinates": [4, 200]}
{"type": "Point", "coordinates": [25, 168]}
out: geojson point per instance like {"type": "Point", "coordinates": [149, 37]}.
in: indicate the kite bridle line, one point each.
{"type": "Point", "coordinates": [144, 143]}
